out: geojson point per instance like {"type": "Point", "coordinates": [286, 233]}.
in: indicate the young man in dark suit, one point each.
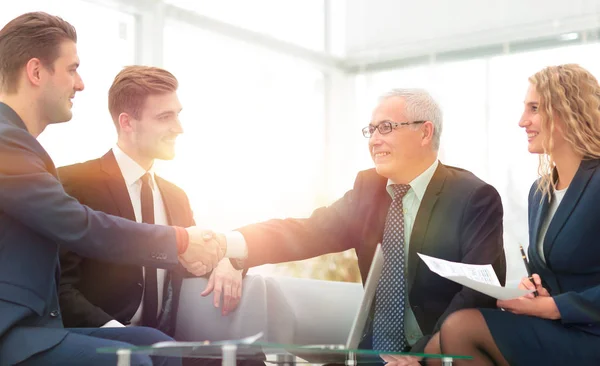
{"type": "Point", "coordinates": [38, 80]}
{"type": "Point", "coordinates": [145, 109]}
{"type": "Point", "coordinates": [411, 203]}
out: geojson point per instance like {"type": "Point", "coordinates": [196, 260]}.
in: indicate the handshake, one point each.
{"type": "Point", "coordinates": [204, 251]}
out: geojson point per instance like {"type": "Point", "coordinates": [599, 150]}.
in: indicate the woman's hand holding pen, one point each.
{"type": "Point", "coordinates": [542, 306]}
{"type": "Point", "coordinates": [527, 284]}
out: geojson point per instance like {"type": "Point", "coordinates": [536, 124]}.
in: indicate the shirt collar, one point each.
{"type": "Point", "coordinates": [419, 184]}
{"type": "Point", "coordinates": [130, 169]}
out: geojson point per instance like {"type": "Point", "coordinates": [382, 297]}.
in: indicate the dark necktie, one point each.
{"type": "Point", "coordinates": [390, 297]}
{"type": "Point", "coordinates": [150, 308]}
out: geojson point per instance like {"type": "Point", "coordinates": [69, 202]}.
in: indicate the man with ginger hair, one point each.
{"type": "Point", "coordinates": [145, 109]}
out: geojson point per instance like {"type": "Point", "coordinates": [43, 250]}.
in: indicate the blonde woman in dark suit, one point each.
{"type": "Point", "coordinates": [562, 324]}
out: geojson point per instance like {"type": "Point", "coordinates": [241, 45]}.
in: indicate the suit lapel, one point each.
{"type": "Point", "coordinates": [570, 200]}
{"type": "Point", "coordinates": [373, 192]}
{"type": "Point", "coordinates": [417, 236]}
{"type": "Point", "coordinates": [117, 186]}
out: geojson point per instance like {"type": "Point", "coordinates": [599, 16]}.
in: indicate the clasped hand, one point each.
{"type": "Point", "coordinates": [204, 251]}
{"type": "Point", "coordinates": [226, 282]}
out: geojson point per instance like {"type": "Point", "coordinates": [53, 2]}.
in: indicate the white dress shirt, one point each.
{"type": "Point", "coordinates": [132, 173]}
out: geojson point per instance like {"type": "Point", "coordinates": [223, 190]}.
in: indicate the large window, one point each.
{"type": "Point", "coordinates": [254, 129]}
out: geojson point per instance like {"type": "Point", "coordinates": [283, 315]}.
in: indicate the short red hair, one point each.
{"type": "Point", "coordinates": [133, 85]}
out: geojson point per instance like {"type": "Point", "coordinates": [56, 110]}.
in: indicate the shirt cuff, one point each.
{"type": "Point", "coordinates": [113, 324]}
{"type": "Point", "coordinates": [182, 238]}
{"type": "Point", "coordinates": [236, 245]}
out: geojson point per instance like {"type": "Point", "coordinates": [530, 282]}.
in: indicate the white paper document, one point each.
{"type": "Point", "coordinates": [479, 277]}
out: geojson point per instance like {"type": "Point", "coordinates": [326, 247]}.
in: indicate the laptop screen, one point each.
{"type": "Point", "coordinates": [360, 320]}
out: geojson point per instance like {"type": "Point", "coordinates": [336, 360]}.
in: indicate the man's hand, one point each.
{"type": "Point", "coordinates": [227, 281]}
{"type": "Point", "coordinates": [205, 250]}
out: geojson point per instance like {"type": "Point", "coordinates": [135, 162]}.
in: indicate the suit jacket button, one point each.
{"type": "Point", "coordinates": [140, 284]}
{"type": "Point", "coordinates": [54, 313]}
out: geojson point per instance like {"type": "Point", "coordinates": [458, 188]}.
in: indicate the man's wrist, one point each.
{"type": "Point", "coordinates": [239, 264]}
{"type": "Point", "coordinates": [182, 238]}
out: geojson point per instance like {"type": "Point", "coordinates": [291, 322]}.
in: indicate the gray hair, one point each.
{"type": "Point", "coordinates": [420, 106]}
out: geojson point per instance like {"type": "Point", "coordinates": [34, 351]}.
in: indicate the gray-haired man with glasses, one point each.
{"type": "Point", "coordinates": [411, 203]}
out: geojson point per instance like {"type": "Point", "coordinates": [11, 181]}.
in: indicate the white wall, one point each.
{"type": "Point", "coordinates": [383, 29]}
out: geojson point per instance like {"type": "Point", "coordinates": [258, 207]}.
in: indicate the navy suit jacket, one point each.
{"type": "Point", "coordinates": [459, 219]}
{"type": "Point", "coordinates": [36, 216]}
{"type": "Point", "coordinates": [571, 248]}
{"type": "Point", "coordinates": [93, 292]}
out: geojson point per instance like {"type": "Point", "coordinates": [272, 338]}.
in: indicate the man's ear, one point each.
{"type": "Point", "coordinates": [427, 133]}
{"type": "Point", "coordinates": [33, 70]}
{"type": "Point", "coordinates": [126, 123]}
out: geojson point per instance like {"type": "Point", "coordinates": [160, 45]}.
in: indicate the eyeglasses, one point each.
{"type": "Point", "coordinates": [386, 127]}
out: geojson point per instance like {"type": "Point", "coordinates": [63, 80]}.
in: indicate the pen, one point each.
{"type": "Point", "coordinates": [535, 293]}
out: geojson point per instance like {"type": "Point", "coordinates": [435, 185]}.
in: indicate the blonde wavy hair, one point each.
{"type": "Point", "coordinates": [569, 94]}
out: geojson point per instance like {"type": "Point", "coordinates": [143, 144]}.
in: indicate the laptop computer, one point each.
{"type": "Point", "coordinates": [358, 325]}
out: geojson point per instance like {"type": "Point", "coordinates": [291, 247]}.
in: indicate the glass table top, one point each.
{"type": "Point", "coordinates": [262, 350]}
